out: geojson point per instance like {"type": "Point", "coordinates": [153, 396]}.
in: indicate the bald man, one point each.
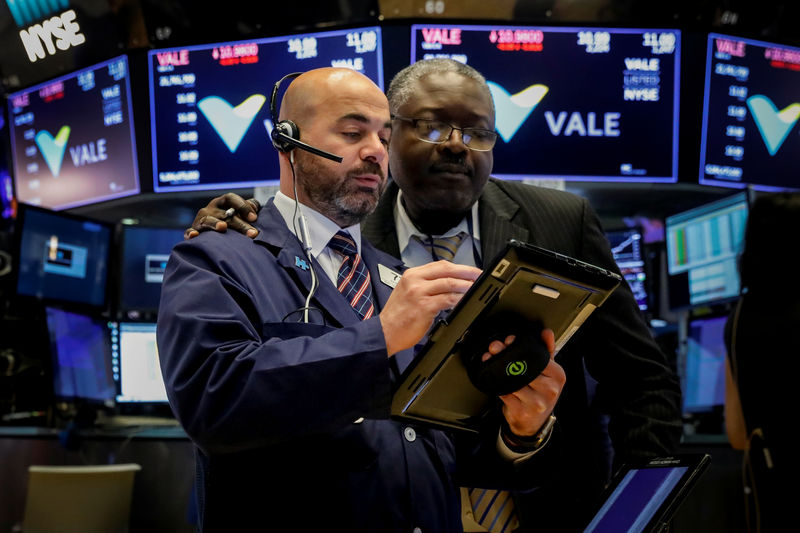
{"type": "Point", "coordinates": [280, 356]}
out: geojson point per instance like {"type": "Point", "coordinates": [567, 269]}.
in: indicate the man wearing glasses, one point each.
{"type": "Point", "coordinates": [440, 160]}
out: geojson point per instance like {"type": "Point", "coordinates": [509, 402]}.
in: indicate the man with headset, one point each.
{"type": "Point", "coordinates": [440, 162]}
{"type": "Point", "coordinates": [279, 353]}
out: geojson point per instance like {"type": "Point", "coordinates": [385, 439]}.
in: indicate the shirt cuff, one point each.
{"type": "Point", "coordinates": [527, 446]}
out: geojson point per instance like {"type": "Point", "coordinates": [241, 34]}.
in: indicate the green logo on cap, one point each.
{"type": "Point", "coordinates": [516, 368]}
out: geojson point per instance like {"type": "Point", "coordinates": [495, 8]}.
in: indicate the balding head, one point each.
{"type": "Point", "coordinates": [342, 112]}
{"type": "Point", "coordinates": [312, 91]}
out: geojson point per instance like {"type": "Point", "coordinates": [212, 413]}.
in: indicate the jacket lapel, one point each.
{"type": "Point", "coordinates": [379, 228]}
{"type": "Point", "coordinates": [290, 256]}
{"type": "Point", "coordinates": [496, 213]}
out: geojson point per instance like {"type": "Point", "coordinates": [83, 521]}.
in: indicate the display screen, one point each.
{"type": "Point", "coordinates": [638, 499]}
{"type": "Point", "coordinates": [573, 103]}
{"type": "Point", "coordinates": [72, 138]}
{"type": "Point", "coordinates": [62, 257]}
{"type": "Point", "coordinates": [626, 247]}
{"type": "Point", "coordinates": [703, 377]}
{"type": "Point", "coordinates": [145, 252]}
{"type": "Point", "coordinates": [750, 114]}
{"type": "Point", "coordinates": [210, 108]}
{"type": "Point", "coordinates": [703, 248]}
{"type": "Point", "coordinates": [81, 356]}
{"type": "Point", "coordinates": [7, 201]}
{"type": "Point", "coordinates": [136, 368]}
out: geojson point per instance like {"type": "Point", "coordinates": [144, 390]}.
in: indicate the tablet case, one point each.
{"type": "Point", "coordinates": [543, 286]}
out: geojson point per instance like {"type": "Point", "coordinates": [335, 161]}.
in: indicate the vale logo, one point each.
{"type": "Point", "coordinates": [231, 123]}
{"type": "Point", "coordinates": [513, 110]}
{"type": "Point", "coordinates": [52, 149]}
{"type": "Point", "coordinates": [774, 125]}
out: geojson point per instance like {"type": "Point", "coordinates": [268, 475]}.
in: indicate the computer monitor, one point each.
{"type": "Point", "coordinates": [8, 204]}
{"type": "Point", "coordinates": [210, 104]}
{"type": "Point", "coordinates": [750, 111]}
{"type": "Point", "coordinates": [81, 357]}
{"type": "Point", "coordinates": [72, 138]}
{"type": "Point", "coordinates": [626, 246]}
{"type": "Point", "coordinates": [703, 248]}
{"type": "Point", "coordinates": [588, 104]}
{"type": "Point", "coordinates": [135, 363]}
{"type": "Point", "coordinates": [703, 372]}
{"type": "Point", "coordinates": [61, 257]}
{"type": "Point", "coordinates": [144, 252]}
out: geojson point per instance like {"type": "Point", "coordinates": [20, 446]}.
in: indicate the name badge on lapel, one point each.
{"type": "Point", "coordinates": [388, 276]}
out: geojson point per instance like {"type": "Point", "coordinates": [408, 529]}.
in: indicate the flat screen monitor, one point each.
{"type": "Point", "coordinates": [750, 113]}
{"type": "Point", "coordinates": [144, 254]}
{"type": "Point", "coordinates": [703, 376]}
{"type": "Point", "coordinates": [7, 201]}
{"type": "Point", "coordinates": [588, 104]}
{"type": "Point", "coordinates": [135, 363]}
{"type": "Point", "coordinates": [703, 248]}
{"type": "Point", "coordinates": [61, 257]}
{"type": "Point", "coordinates": [210, 108]}
{"type": "Point", "coordinates": [626, 246]}
{"type": "Point", "coordinates": [72, 138]}
{"type": "Point", "coordinates": [81, 356]}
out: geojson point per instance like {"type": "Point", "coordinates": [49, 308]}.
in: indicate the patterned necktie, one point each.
{"type": "Point", "coordinates": [353, 280]}
{"type": "Point", "coordinates": [442, 247]}
{"type": "Point", "coordinates": [494, 510]}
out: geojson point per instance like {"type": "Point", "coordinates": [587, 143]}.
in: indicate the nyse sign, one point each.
{"type": "Point", "coordinates": [58, 32]}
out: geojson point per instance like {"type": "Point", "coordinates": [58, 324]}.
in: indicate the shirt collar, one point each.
{"type": "Point", "coordinates": [320, 228]}
{"type": "Point", "coordinates": [406, 229]}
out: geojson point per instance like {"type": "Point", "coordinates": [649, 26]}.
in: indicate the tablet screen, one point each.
{"type": "Point", "coordinates": [642, 499]}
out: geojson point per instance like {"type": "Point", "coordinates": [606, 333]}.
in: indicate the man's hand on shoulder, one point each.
{"type": "Point", "coordinates": [227, 211]}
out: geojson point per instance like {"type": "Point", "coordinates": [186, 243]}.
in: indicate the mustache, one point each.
{"type": "Point", "coordinates": [452, 164]}
{"type": "Point", "coordinates": [368, 168]}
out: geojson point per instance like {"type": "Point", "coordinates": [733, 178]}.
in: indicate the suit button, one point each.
{"type": "Point", "coordinates": [410, 434]}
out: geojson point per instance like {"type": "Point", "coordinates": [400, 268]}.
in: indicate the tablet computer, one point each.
{"type": "Point", "coordinates": [539, 285]}
{"type": "Point", "coordinates": [643, 497]}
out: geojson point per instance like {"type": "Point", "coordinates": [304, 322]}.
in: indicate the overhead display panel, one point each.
{"type": "Point", "coordinates": [750, 115]}
{"type": "Point", "coordinates": [210, 109]}
{"type": "Point", "coordinates": [72, 138]}
{"type": "Point", "coordinates": [589, 104]}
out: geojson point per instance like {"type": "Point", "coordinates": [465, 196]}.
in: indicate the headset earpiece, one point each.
{"type": "Point", "coordinates": [281, 130]}
{"type": "Point", "coordinates": [285, 134]}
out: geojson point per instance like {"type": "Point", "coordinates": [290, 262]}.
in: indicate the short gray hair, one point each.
{"type": "Point", "coordinates": [403, 84]}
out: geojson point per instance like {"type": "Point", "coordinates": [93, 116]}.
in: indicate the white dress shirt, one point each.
{"type": "Point", "coordinates": [414, 253]}
{"type": "Point", "coordinates": [320, 231]}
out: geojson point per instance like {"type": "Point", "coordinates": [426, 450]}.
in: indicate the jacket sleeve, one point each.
{"type": "Point", "coordinates": [637, 386]}
{"type": "Point", "coordinates": [237, 376]}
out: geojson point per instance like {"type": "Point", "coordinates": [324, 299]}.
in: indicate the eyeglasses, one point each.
{"type": "Point", "coordinates": [438, 132]}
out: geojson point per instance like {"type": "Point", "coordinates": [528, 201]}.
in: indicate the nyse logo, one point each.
{"type": "Point", "coordinates": [58, 32]}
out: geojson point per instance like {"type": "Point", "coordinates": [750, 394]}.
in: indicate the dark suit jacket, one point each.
{"type": "Point", "coordinates": [636, 386]}
{"type": "Point", "coordinates": [291, 419]}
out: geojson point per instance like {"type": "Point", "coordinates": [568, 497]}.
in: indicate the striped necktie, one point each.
{"type": "Point", "coordinates": [494, 510]}
{"type": "Point", "coordinates": [442, 247]}
{"type": "Point", "coordinates": [353, 280]}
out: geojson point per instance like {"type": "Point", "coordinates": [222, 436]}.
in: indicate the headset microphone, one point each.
{"type": "Point", "coordinates": [285, 133]}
